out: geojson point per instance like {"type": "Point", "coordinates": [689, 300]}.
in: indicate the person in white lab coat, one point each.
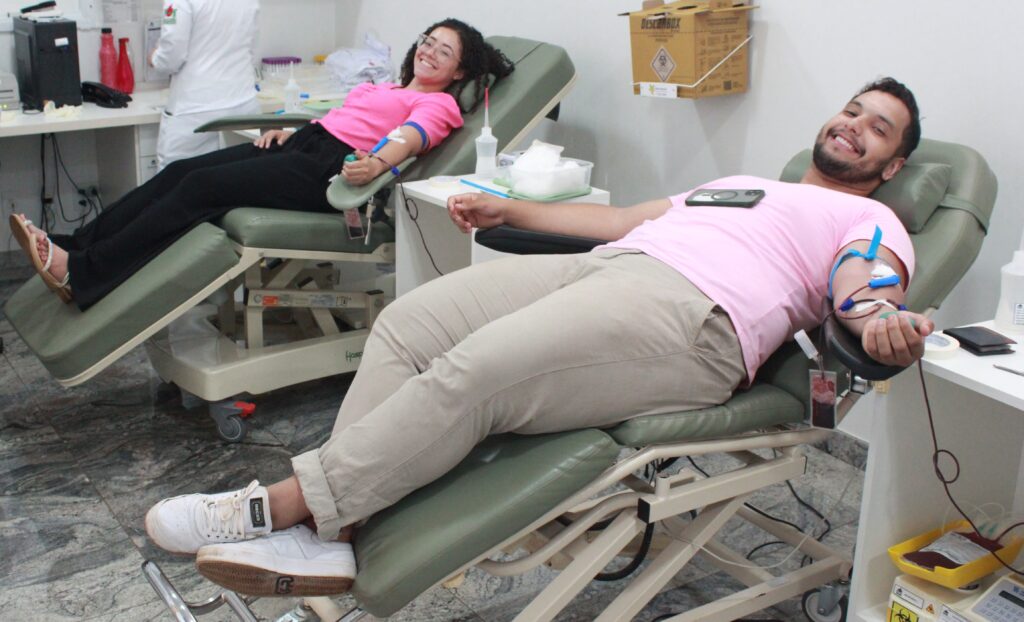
{"type": "Point", "coordinates": [208, 48]}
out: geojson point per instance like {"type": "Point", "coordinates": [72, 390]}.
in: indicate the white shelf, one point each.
{"type": "Point", "coordinates": [874, 614]}
{"type": "Point", "coordinates": [449, 248]}
{"type": "Point", "coordinates": [978, 374]}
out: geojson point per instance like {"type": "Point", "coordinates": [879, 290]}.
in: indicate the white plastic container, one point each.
{"type": "Point", "coordinates": [486, 153]}
{"type": "Point", "coordinates": [570, 177]}
{"type": "Point", "coordinates": [1010, 312]}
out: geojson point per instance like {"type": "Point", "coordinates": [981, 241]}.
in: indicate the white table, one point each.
{"type": "Point", "coordinates": [979, 416]}
{"type": "Point", "coordinates": [450, 248]}
{"type": "Point", "coordinates": [144, 109]}
{"type": "Point", "coordinates": [126, 136]}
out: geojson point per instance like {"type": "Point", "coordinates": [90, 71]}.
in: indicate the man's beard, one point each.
{"type": "Point", "coordinates": [839, 170]}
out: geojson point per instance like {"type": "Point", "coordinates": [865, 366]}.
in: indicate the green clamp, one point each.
{"type": "Point", "coordinates": [888, 313]}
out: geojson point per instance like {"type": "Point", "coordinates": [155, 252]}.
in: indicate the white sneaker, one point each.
{"type": "Point", "coordinates": [292, 562]}
{"type": "Point", "coordinates": [183, 524]}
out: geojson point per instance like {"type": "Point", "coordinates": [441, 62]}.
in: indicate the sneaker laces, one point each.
{"type": "Point", "coordinates": [226, 516]}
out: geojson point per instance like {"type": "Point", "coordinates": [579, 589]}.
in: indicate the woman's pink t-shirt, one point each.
{"type": "Point", "coordinates": [767, 266]}
{"type": "Point", "coordinates": [371, 111]}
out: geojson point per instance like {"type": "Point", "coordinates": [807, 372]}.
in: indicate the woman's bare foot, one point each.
{"type": "Point", "coordinates": [49, 261]}
{"type": "Point", "coordinates": [59, 261]}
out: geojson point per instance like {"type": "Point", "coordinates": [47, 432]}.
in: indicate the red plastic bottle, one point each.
{"type": "Point", "coordinates": [108, 59]}
{"type": "Point", "coordinates": [125, 75]}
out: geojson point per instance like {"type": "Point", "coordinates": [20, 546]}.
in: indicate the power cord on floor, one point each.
{"type": "Point", "coordinates": [650, 472]}
{"type": "Point", "coordinates": [748, 505]}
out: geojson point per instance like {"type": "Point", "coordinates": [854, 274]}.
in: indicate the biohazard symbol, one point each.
{"type": "Point", "coordinates": [899, 613]}
{"type": "Point", "coordinates": [663, 64]}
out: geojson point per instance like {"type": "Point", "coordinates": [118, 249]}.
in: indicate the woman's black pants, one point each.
{"type": "Point", "coordinates": [122, 239]}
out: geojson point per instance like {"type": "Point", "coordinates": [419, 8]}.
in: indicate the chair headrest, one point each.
{"type": "Point", "coordinates": [913, 194]}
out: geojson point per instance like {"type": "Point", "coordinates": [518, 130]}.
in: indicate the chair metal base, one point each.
{"type": "Point", "coordinates": [314, 609]}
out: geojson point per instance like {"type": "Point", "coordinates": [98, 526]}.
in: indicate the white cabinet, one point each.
{"type": "Point", "coordinates": [431, 239]}
{"type": "Point", "coordinates": [979, 416]}
{"type": "Point", "coordinates": [125, 157]}
{"type": "Point", "coordinates": [145, 142]}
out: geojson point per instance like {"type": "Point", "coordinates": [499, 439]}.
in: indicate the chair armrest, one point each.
{"type": "Point", "coordinates": [343, 196]}
{"type": "Point", "coordinates": [521, 242]}
{"type": "Point", "coordinates": [253, 121]}
{"type": "Point", "coordinates": [848, 351]}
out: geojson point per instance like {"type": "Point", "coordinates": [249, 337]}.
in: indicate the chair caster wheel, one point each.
{"type": "Point", "coordinates": [811, 605]}
{"type": "Point", "coordinates": [232, 429]}
{"type": "Point", "coordinates": [230, 419]}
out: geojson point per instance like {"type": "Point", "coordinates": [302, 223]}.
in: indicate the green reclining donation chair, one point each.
{"type": "Point", "coordinates": [287, 261]}
{"type": "Point", "coordinates": [575, 501]}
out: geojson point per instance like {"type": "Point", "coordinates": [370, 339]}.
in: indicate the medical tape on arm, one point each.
{"type": "Point", "coordinates": [876, 241]}
{"type": "Point", "coordinates": [396, 135]}
{"type": "Point", "coordinates": [882, 274]}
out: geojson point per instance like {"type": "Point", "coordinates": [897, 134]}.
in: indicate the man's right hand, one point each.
{"type": "Point", "coordinates": [477, 209]}
{"type": "Point", "coordinates": [268, 138]}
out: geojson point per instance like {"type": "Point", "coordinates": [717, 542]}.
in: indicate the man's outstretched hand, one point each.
{"type": "Point", "coordinates": [476, 209]}
{"type": "Point", "coordinates": [894, 340]}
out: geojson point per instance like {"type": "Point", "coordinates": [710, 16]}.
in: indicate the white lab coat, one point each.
{"type": "Point", "coordinates": [208, 48]}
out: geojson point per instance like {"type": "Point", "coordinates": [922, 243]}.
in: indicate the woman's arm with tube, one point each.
{"type": "Point", "coordinates": [367, 167]}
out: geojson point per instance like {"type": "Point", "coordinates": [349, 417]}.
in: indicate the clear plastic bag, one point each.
{"type": "Point", "coordinates": [370, 63]}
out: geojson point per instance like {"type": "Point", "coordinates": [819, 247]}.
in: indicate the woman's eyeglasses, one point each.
{"type": "Point", "coordinates": [441, 50]}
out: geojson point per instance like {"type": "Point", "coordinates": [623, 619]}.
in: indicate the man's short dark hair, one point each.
{"type": "Point", "coordinates": [912, 133]}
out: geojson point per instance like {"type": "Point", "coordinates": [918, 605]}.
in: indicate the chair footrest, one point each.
{"type": "Point", "coordinates": [505, 483]}
{"type": "Point", "coordinates": [69, 342]}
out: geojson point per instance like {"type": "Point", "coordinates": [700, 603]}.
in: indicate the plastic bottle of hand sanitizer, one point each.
{"type": "Point", "coordinates": [292, 101]}
{"type": "Point", "coordinates": [486, 153]}
{"type": "Point", "coordinates": [486, 145]}
{"type": "Point", "coordinates": [1010, 312]}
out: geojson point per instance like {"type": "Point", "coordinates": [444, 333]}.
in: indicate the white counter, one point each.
{"type": "Point", "coordinates": [144, 109]}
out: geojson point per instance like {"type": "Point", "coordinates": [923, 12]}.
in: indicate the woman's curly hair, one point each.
{"type": "Point", "coordinates": [478, 60]}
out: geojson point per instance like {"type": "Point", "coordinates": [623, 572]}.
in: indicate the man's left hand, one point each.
{"type": "Point", "coordinates": [894, 340]}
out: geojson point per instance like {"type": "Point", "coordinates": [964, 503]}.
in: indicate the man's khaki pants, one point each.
{"type": "Point", "coordinates": [527, 345]}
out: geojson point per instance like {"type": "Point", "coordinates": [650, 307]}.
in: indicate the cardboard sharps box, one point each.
{"type": "Point", "coordinates": [678, 48]}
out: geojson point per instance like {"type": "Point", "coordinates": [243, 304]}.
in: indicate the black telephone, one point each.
{"type": "Point", "coordinates": [104, 96]}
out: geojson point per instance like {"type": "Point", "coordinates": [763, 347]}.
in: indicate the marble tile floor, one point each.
{"type": "Point", "coordinates": [79, 467]}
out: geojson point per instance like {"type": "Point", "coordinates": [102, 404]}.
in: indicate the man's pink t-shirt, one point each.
{"type": "Point", "coordinates": [371, 111]}
{"type": "Point", "coordinates": [767, 266]}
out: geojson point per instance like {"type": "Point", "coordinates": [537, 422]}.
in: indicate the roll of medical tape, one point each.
{"type": "Point", "coordinates": [442, 181]}
{"type": "Point", "coordinates": [940, 346]}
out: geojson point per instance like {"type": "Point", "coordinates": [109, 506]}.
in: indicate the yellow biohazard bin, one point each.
{"type": "Point", "coordinates": [953, 577]}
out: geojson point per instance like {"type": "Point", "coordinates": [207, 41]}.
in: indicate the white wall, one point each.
{"type": "Point", "coordinates": [809, 56]}
{"type": "Point", "coordinates": [287, 27]}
